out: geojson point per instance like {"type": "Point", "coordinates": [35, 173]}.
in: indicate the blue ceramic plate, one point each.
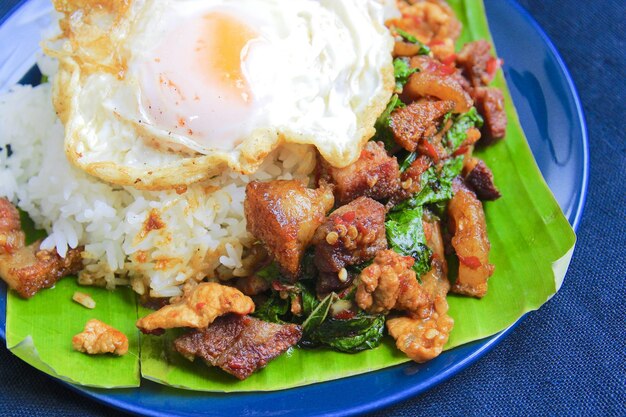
{"type": "Point", "coordinates": [551, 114]}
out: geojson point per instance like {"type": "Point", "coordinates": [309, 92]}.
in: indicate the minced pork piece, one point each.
{"type": "Point", "coordinates": [390, 283]}
{"type": "Point", "coordinates": [99, 338]}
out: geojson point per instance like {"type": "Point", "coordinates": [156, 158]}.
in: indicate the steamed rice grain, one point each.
{"type": "Point", "coordinates": [204, 229]}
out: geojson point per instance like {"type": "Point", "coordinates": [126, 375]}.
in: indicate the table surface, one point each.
{"type": "Point", "coordinates": [567, 358]}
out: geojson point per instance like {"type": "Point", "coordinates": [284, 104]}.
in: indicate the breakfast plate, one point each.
{"type": "Point", "coordinates": [552, 118]}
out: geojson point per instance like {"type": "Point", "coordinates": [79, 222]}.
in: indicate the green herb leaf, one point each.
{"type": "Point", "coordinates": [424, 50]}
{"type": "Point", "coordinates": [270, 272]}
{"type": "Point", "coordinates": [383, 123]}
{"type": "Point", "coordinates": [405, 234]}
{"type": "Point", "coordinates": [402, 71]}
{"type": "Point", "coordinates": [436, 186]}
{"type": "Point", "coordinates": [309, 300]}
{"type": "Point", "coordinates": [457, 133]}
{"type": "Point", "coordinates": [410, 158]}
{"type": "Point", "coordinates": [273, 309]}
{"type": "Point", "coordinates": [354, 335]}
{"type": "Point", "coordinates": [319, 314]}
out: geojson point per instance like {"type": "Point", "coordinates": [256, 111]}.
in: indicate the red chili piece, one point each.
{"type": "Point", "coordinates": [470, 261]}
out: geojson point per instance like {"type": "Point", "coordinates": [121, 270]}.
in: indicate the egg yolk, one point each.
{"type": "Point", "coordinates": [225, 40]}
{"type": "Point", "coordinates": [193, 82]}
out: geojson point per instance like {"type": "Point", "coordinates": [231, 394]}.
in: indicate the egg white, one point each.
{"type": "Point", "coordinates": [320, 76]}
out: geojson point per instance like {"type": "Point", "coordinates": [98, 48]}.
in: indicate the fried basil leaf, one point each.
{"type": "Point", "coordinates": [406, 163]}
{"type": "Point", "coordinates": [402, 71]}
{"type": "Point", "coordinates": [405, 234]}
{"type": "Point", "coordinates": [273, 309]}
{"type": "Point", "coordinates": [309, 301]}
{"type": "Point", "coordinates": [269, 272]}
{"type": "Point", "coordinates": [436, 185]}
{"type": "Point", "coordinates": [457, 133]}
{"type": "Point", "coordinates": [407, 37]}
{"type": "Point", "coordinates": [319, 314]}
{"type": "Point", "coordinates": [353, 335]}
{"type": "Point", "coordinates": [383, 123]}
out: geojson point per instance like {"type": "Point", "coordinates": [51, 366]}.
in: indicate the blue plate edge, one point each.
{"type": "Point", "coordinates": [487, 344]}
{"type": "Point", "coordinates": [580, 207]}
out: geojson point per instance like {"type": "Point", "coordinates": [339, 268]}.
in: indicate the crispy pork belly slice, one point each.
{"type": "Point", "coordinates": [480, 180]}
{"type": "Point", "coordinates": [351, 235]}
{"type": "Point", "coordinates": [490, 104]}
{"type": "Point", "coordinates": [436, 80]}
{"type": "Point", "coordinates": [11, 235]}
{"type": "Point", "coordinates": [477, 63]}
{"type": "Point", "coordinates": [375, 174]}
{"type": "Point", "coordinates": [239, 345]}
{"type": "Point", "coordinates": [435, 282]}
{"type": "Point", "coordinates": [30, 269]}
{"type": "Point", "coordinates": [198, 308]}
{"type": "Point", "coordinates": [470, 242]}
{"type": "Point", "coordinates": [284, 216]}
{"type": "Point", "coordinates": [411, 180]}
{"type": "Point", "coordinates": [417, 121]}
{"type": "Point", "coordinates": [27, 269]}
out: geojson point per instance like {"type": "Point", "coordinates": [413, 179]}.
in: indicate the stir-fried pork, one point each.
{"type": "Point", "coordinates": [390, 283]}
{"type": "Point", "coordinates": [477, 64]}
{"type": "Point", "coordinates": [435, 282]}
{"type": "Point", "coordinates": [198, 308]}
{"type": "Point", "coordinates": [436, 80]}
{"type": "Point", "coordinates": [351, 235]}
{"type": "Point", "coordinates": [99, 338]}
{"type": "Point", "coordinates": [419, 120]}
{"type": "Point", "coordinates": [422, 334]}
{"type": "Point", "coordinates": [490, 104]}
{"type": "Point", "coordinates": [239, 344]}
{"type": "Point", "coordinates": [480, 180]}
{"type": "Point", "coordinates": [470, 242]}
{"type": "Point", "coordinates": [252, 285]}
{"type": "Point", "coordinates": [375, 174]}
{"type": "Point", "coordinates": [11, 235]}
{"type": "Point", "coordinates": [411, 179]}
{"type": "Point", "coordinates": [29, 269]}
{"type": "Point", "coordinates": [284, 216]}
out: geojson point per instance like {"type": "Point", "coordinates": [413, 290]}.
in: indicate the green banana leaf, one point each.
{"type": "Point", "coordinates": [532, 244]}
{"type": "Point", "coordinates": [40, 330]}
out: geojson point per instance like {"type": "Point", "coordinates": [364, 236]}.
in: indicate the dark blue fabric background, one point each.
{"type": "Point", "coordinates": [569, 358]}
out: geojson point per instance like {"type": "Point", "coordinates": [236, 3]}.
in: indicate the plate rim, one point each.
{"type": "Point", "coordinates": [485, 345]}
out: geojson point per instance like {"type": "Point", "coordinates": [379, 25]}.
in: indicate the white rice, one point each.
{"type": "Point", "coordinates": [205, 229]}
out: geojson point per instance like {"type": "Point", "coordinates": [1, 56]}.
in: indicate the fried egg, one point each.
{"type": "Point", "coordinates": [161, 94]}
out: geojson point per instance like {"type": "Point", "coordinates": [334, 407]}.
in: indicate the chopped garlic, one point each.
{"type": "Point", "coordinates": [84, 299]}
